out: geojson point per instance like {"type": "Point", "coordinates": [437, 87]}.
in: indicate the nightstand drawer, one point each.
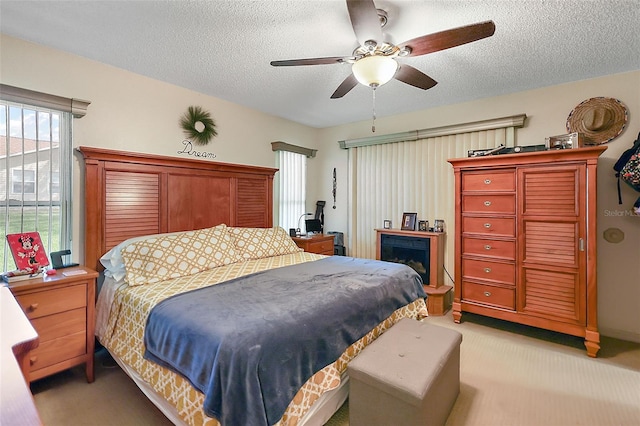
{"type": "Point", "coordinates": [321, 247]}
{"type": "Point", "coordinates": [320, 244]}
{"type": "Point", "coordinates": [58, 350]}
{"type": "Point", "coordinates": [488, 294]}
{"type": "Point", "coordinates": [494, 181]}
{"type": "Point", "coordinates": [59, 325]}
{"type": "Point", "coordinates": [489, 203]}
{"type": "Point", "coordinates": [39, 304]}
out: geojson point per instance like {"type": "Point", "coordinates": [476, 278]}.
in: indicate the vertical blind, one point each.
{"type": "Point", "coordinates": [386, 180]}
{"type": "Point", "coordinates": [291, 187]}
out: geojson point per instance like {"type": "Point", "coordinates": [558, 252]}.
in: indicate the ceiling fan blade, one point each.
{"type": "Point", "coordinates": [449, 38]}
{"type": "Point", "coordinates": [313, 61]}
{"type": "Point", "coordinates": [344, 88]}
{"type": "Point", "coordinates": [364, 20]}
{"type": "Point", "coordinates": [410, 75]}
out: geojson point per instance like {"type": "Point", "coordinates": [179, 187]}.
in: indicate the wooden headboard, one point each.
{"type": "Point", "coordinates": [131, 194]}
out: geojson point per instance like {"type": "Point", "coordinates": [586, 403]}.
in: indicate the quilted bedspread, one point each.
{"type": "Point", "coordinates": [249, 360]}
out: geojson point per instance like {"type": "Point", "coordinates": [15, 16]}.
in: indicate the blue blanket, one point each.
{"type": "Point", "coordinates": [249, 344]}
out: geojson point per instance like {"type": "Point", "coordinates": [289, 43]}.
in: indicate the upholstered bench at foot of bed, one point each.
{"type": "Point", "coordinates": [409, 376]}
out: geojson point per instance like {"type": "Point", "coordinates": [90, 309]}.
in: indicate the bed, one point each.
{"type": "Point", "coordinates": [139, 208]}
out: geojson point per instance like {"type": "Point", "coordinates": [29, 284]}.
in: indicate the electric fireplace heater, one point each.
{"type": "Point", "coordinates": [411, 251]}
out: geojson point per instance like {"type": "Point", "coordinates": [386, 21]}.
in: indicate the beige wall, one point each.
{"type": "Point", "coordinates": [547, 110]}
{"type": "Point", "coordinates": [134, 113]}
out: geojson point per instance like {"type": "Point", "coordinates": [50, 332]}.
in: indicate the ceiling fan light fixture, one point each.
{"type": "Point", "coordinates": [375, 70]}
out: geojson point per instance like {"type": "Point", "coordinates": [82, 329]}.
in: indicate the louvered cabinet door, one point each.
{"type": "Point", "coordinates": [552, 233]}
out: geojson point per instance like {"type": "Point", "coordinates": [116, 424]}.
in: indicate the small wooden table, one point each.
{"type": "Point", "coordinates": [61, 308]}
{"type": "Point", "coordinates": [318, 243]}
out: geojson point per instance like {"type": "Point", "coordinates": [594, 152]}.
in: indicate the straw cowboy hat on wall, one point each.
{"type": "Point", "coordinates": [600, 120]}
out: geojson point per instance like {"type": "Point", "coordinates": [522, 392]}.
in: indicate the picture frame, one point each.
{"type": "Point", "coordinates": [386, 224]}
{"type": "Point", "coordinates": [423, 225]}
{"type": "Point", "coordinates": [28, 251]}
{"type": "Point", "coordinates": [409, 221]}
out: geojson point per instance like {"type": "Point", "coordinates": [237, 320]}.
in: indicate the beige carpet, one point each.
{"type": "Point", "coordinates": [510, 375]}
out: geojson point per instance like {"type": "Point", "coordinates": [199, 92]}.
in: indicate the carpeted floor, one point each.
{"type": "Point", "coordinates": [510, 375]}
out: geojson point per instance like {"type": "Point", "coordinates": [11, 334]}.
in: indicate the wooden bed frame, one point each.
{"type": "Point", "coordinates": [132, 194]}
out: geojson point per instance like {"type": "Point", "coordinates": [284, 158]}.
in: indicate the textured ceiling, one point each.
{"type": "Point", "coordinates": [223, 48]}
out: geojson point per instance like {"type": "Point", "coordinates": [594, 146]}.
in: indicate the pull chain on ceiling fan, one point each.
{"type": "Point", "coordinates": [374, 61]}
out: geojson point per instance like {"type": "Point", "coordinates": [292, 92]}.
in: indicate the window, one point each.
{"type": "Point", "coordinates": [23, 181]}
{"type": "Point", "coordinates": [35, 167]}
{"type": "Point", "coordinates": [292, 188]}
{"type": "Point", "coordinates": [291, 181]}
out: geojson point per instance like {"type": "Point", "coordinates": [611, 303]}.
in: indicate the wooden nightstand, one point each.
{"type": "Point", "coordinates": [62, 311]}
{"type": "Point", "coordinates": [319, 243]}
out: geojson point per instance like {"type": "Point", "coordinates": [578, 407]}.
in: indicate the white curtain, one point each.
{"type": "Point", "coordinates": [386, 180]}
{"type": "Point", "coordinates": [291, 187]}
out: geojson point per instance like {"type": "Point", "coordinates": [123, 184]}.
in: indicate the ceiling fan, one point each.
{"type": "Point", "coordinates": [374, 63]}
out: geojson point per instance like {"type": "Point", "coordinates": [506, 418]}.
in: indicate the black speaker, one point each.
{"type": "Point", "coordinates": [292, 232]}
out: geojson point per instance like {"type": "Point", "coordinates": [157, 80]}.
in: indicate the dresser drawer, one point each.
{"type": "Point", "coordinates": [490, 226]}
{"type": "Point", "coordinates": [489, 203]}
{"type": "Point", "coordinates": [489, 271]}
{"type": "Point", "coordinates": [494, 181]}
{"type": "Point", "coordinates": [39, 304]}
{"type": "Point", "coordinates": [489, 248]}
{"type": "Point", "coordinates": [489, 295]}
{"type": "Point", "coordinates": [58, 350]}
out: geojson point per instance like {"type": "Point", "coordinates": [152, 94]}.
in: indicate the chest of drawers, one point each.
{"type": "Point", "coordinates": [524, 249]}
{"type": "Point", "coordinates": [62, 311]}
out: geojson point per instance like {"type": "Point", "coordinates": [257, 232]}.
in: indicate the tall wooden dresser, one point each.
{"type": "Point", "coordinates": [525, 240]}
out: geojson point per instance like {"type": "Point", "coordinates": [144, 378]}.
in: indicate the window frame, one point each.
{"type": "Point", "coordinates": [46, 163]}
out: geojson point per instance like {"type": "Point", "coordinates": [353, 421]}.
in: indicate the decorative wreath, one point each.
{"type": "Point", "coordinates": [198, 125]}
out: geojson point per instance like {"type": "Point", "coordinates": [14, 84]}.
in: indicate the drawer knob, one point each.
{"type": "Point", "coordinates": [487, 181]}
{"type": "Point", "coordinates": [487, 293]}
{"type": "Point", "coordinates": [487, 247]}
{"type": "Point", "coordinates": [487, 270]}
{"type": "Point", "coordinates": [487, 225]}
{"type": "Point", "coordinates": [33, 307]}
{"type": "Point", "coordinates": [33, 360]}
{"type": "Point", "coordinates": [487, 203]}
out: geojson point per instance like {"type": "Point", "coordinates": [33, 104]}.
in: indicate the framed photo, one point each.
{"type": "Point", "coordinates": [409, 221]}
{"type": "Point", "coordinates": [28, 251]}
{"type": "Point", "coordinates": [423, 225]}
{"type": "Point", "coordinates": [387, 224]}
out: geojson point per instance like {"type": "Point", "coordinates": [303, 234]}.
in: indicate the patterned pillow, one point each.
{"type": "Point", "coordinates": [162, 257]}
{"type": "Point", "coordinates": [256, 243]}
